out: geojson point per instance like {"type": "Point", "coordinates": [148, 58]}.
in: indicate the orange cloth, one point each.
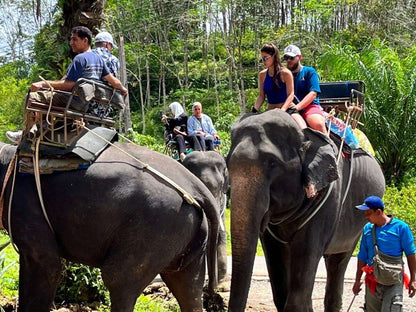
{"type": "Point", "coordinates": [371, 282]}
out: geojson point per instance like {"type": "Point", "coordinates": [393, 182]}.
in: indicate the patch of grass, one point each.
{"type": "Point", "coordinates": [9, 283]}
{"type": "Point", "coordinates": [145, 304]}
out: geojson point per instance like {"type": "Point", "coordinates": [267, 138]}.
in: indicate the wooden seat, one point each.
{"type": "Point", "coordinates": [59, 126]}
{"type": "Point", "coordinates": [343, 98]}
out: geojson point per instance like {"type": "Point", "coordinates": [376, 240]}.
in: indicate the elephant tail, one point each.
{"type": "Point", "coordinates": [212, 211]}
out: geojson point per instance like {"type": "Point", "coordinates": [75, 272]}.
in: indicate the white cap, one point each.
{"type": "Point", "coordinates": [292, 50]}
{"type": "Point", "coordinates": [105, 37]}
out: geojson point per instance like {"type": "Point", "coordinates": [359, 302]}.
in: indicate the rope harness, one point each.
{"type": "Point", "coordinates": [317, 209]}
{"type": "Point", "coordinates": [12, 168]}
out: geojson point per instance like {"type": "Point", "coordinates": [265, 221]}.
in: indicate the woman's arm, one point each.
{"type": "Point", "coordinates": [287, 78]}
{"type": "Point", "coordinates": [261, 96]}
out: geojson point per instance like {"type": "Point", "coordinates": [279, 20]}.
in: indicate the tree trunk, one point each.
{"type": "Point", "coordinates": [123, 78]}
{"type": "Point", "coordinates": [89, 13]}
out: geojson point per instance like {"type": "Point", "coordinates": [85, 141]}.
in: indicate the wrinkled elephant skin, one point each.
{"type": "Point", "coordinates": [211, 168]}
{"type": "Point", "coordinates": [272, 166]}
{"type": "Point", "coordinates": [118, 217]}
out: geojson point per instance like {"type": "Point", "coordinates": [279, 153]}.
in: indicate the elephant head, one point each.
{"type": "Point", "coordinates": [211, 169]}
{"type": "Point", "coordinates": [274, 167]}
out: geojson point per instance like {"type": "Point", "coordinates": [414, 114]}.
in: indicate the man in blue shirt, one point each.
{"type": "Point", "coordinates": [86, 64]}
{"type": "Point", "coordinates": [307, 89]}
{"type": "Point", "coordinates": [393, 238]}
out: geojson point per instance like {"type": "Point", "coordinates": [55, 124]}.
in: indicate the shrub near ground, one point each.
{"type": "Point", "coordinates": [401, 203]}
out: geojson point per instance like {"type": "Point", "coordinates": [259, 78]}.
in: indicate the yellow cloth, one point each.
{"type": "Point", "coordinates": [364, 141]}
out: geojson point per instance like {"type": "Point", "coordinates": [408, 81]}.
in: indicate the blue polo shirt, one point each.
{"type": "Point", "coordinates": [392, 239]}
{"type": "Point", "coordinates": [305, 81]}
{"type": "Point", "coordinates": [87, 65]}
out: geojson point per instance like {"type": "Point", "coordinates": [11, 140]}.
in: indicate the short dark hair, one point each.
{"type": "Point", "coordinates": [82, 32]}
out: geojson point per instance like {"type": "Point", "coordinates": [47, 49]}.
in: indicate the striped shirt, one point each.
{"type": "Point", "coordinates": [110, 60]}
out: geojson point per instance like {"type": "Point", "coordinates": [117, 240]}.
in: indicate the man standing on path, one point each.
{"type": "Point", "coordinates": [307, 89]}
{"type": "Point", "coordinates": [393, 237]}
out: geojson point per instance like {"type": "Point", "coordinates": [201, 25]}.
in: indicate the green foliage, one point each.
{"type": "Point", "coordinates": [81, 284]}
{"type": "Point", "coordinates": [389, 117]}
{"type": "Point", "coordinates": [146, 140]}
{"type": "Point", "coordinates": [9, 281]}
{"type": "Point", "coordinates": [146, 303]}
{"type": "Point", "coordinates": [12, 95]}
{"type": "Point", "coordinates": [401, 203]}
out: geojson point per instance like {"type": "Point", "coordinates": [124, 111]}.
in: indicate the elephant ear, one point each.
{"type": "Point", "coordinates": [319, 167]}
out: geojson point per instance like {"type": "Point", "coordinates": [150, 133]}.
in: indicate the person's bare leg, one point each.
{"type": "Point", "coordinates": [299, 120]}
{"type": "Point", "coordinates": [317, 122]}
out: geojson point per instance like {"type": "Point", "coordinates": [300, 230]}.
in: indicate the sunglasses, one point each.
{"type": "Point", "coordinates": [265, 58]}
{"type": "Point", "coordinates": [287, 57]}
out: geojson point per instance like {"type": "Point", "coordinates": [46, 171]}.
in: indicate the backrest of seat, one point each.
{"type": "Point", "coordinates": [340, 94]}
{"type": "Point", "coordinates": [87, 90]}
{"type": "Point", "coordinates": [339, 89]}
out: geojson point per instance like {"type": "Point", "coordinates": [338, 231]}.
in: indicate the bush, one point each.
{"type": "Point", "coordinates": [401, 203]}
{"type": "Point", "coordinates": [81, 284]}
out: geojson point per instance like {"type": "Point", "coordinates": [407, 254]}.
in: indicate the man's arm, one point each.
{"type": "Point", "coordinates": [357, 284]}
{"type": "Point", "coordinates": [411, 262]}
{"type": "Point", "coordinates": [64, 85]}
{"type": "Point", "coordinates": [308, 99]}
{"type": "Point", "coordinates": [115, 83]}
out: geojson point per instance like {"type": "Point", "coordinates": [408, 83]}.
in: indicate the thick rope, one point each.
{"type": "Point", "coordinates": [9, 211]}
{"type": "Point", "coordinates": [307, 219]}
{"type": "Point", "coordinates": [188, 197]}
{"type": "Point", "coordinates": [5, 180]}
{"type": "Point", "coordinates": [38, 185]}
{"type": "Point", "coordinates": [50, 101]}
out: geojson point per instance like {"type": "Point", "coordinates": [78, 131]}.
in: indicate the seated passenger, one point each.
{"type": "Point", "coordinates": [104, 44]}
{"type": "Point", "coordinates": [201, 125]}
{"type": "Point", "coordinates": [86, 64]}
{"type": "Point", "coordinates": [276, 82]}
{"type": "Point", "coordinates": [176, 129]}
{"type": "Point", "coordinates": [307, 89]}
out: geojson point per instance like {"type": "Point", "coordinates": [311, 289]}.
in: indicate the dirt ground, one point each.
{"type": "Point", "coordinates": [260, 298]}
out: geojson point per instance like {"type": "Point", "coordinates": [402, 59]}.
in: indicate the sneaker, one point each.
{"type": "Point", "coordinates": [182, 156]}
{"type": "Point", "coordinates": [14, 136]}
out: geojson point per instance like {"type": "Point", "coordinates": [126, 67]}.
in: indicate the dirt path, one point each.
{"type": "Point", "coordinates": [260, 298]}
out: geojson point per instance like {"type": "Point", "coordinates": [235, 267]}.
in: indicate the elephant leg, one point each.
{"type": "Point", "coordinates": [186, 284]}
{"type": "Point", "coordinates": [277, 267]}
{"type": "Point", "coordinates": [222, 256]}
{"type": "Point", "coordinates": [39, 278]}
{"type": "Point", "coordinates": [304, 260]}
{"type": "Point", "coordinates": [125, 280]}
{"type": "Point", "coordinates": [336, 264]}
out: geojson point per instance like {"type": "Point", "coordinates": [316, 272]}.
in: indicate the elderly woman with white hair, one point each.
{"type": "Point", "coordinates": [201, 125]}
{"type": "Point", "coordinates": [176, 129]}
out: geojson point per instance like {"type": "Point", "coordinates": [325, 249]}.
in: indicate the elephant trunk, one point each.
{"type": "Point", "coordinates": [249, 203]}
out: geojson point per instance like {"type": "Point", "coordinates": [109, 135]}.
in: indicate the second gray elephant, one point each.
{"type": "Point", "coordinates": [287, 188]}
{"type": "Point", "coordinates": [211, 168]}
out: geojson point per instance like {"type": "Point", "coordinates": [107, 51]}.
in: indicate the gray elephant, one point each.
{"type": "Point", "coordinates": [118, 216]}
{"type": "Point", "coordinates": [210, 167]}
{"type": "Point", "coordinates": [287, 187]}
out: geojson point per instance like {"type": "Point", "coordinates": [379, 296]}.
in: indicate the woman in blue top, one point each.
{"type": "Point", "coordinates": [276, 82]}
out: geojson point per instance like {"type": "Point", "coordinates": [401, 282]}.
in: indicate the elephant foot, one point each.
{"type": "Point", "coordinates": [213, 302]}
